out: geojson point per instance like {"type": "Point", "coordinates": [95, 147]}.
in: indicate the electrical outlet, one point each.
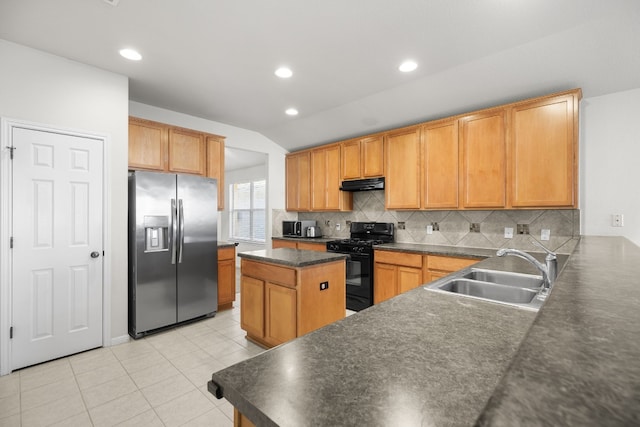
{"type": "Point", "coordinates": [436, 226]}
{"type": "Point", "coordinates": [523, 228]}
{"type": "Point", "coordinates": [474, 227]}
{"type": "Point", "coordinates": [429, 229]}
{"type": "Point", "coordinates": [508, 232]}
{"type": "Point", "coordinates": [617, 220]}
{"type": "Point", "coordinates": [545, 234]}
{"type": "Point", "coordinates": [401, 225]}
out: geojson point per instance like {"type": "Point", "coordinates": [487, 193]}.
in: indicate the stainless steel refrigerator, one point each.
{"type": "Point", "coordinates": [173, 250]}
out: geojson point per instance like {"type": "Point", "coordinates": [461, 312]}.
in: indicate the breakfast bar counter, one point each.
{"type": "Point", "coordinates": [286, 293]}
{"type": "Point", "coordinates": [424, 358]}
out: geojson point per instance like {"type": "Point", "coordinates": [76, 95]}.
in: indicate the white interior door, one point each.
{"type": "Point", "coordinates": [57, 245]}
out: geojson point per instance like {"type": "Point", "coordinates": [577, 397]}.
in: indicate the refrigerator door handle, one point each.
{"type": "Point", "coordinates": [174, 230]}
{"type": "Point", "coordinates": [181, 222]}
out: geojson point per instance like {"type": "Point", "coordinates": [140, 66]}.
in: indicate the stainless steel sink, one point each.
{"type": "Point", "coordinates": [492, 291]}
{"type": "Point", "coordinates": [505, 278]}
{"type": "Point", "coordinates": [503, 287]}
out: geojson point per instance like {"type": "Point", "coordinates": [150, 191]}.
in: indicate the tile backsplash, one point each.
{"type": "Point", "coordinates": [453, 226]}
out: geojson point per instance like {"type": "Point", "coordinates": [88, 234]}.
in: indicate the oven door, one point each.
{"type": "Point", "coordinates": [359, 282]}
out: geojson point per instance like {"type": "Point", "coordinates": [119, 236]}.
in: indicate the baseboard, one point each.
{"type": "Point", "coordinates": [120, 340]}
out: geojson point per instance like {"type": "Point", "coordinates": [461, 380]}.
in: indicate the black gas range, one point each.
{"type": "Point", "coordinates": [364, 236]}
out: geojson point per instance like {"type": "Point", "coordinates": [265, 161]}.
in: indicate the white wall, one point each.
{"type": "Point", "coordinates": [235, 137]}
{"type": "Point", "coordinates": [610, 164]}
{"type": "Point", "coordinates": [46, 89]}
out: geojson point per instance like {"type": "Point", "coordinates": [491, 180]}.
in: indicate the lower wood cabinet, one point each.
{"type": "Point", "coordinates": [240, 420]}
{"type": "Point", "coordinates": [226, 277]}
{"type": "Point", "coordinates": [279, 303]}
{"type": "Point", "coordinates": [304, 245]}
{"type": "Point", "coordinates": [437, 266]}
{"type": "Point", "coordinates": [395, 273]}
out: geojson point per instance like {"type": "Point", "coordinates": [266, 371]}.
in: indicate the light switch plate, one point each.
{"type": "Point", "coordinates": [429, 229]}
{"type": "Point", "coordinates": [545, 234]}
{"type": "Point", "coordinates": [508, 233]}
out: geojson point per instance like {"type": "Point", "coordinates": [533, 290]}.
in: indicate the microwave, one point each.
{"type": "Point", "coordinates": [296, 228]}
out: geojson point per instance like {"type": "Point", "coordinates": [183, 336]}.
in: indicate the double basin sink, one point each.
{"type": "Point", "coordinates": [514, 289]}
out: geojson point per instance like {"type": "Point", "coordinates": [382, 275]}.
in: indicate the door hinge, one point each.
{"type": "Point", "coordinates": [11, 242]}
{"type": "Point", "coordinates": [11, 151]}
{"type": "Point", "coordinates": [11, 332]}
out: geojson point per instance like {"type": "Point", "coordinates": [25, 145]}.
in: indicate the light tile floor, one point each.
{"type": "Point", "coordinates": [160, 380]}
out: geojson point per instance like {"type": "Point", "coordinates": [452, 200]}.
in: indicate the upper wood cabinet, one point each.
{"type": "Point", "coordinates": [522, 155]}
{"type": "Point", "coordinates": [362, 158]}
{"type": "Point", "coordinates": [325, 181]}
{"type": "Point", "coordinates": [440, 165]}
{"type": "Point", "coordinates": [402, 169]}
{"type": "Point", "coordinates": [298, 185]}
{"type": "Point", "coordinates": [165, 148]}
{"type": "Point", "coordinates": [187, 151]}
{"type": "Point", "coordinates": [215, 165]}
{"type": "Point", "coordinates": [483, 169]}
{"type": "Point", "coordinates": [543, 152]}
{"type": "Point", "coordinates": [148, 142]}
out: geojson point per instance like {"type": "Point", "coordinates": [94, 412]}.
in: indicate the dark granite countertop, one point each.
{"type": "Point", "coordinates": [307, 239]}
{"type": "Point", "coordinates": [291, 257]}
{"type": "Point", "coordinates": [580, 363]}
{"type": "Point", "coordinates": [424, 358]}
{"type": "Point", "coordinates": [225, 244]}
{"type": "Point", "coordinates": [421, 248]}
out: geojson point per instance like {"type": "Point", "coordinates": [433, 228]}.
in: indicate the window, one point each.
{"type": "Point", "coordinates": [248, 203]}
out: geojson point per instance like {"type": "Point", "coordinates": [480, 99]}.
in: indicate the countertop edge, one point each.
{"type": "Point", "coordinates": [295, 258]}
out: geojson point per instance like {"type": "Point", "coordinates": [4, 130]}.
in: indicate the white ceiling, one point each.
{"type": "Point", "coordinates": [215, 59]}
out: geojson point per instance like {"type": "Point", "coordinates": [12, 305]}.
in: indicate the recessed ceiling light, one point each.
{"type": "Point", "coordinates": [407, 66]}
{"type": "Point", "coordinates": [291, 112]}
{"type": "Point", "coordinates": [131, 54]}
{"type": "Point", "coordinates": [284, 72]}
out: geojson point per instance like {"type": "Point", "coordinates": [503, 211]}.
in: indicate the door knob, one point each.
{"type": "Point", "coordinates": [95, 254]}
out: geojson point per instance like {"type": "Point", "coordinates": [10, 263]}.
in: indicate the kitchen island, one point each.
{"type": "Point", "coordinates": [286, 293]}
{"type": "Point", "coordinates": [424, 358]}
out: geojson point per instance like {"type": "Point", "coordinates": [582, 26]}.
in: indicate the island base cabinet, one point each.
{"type": "Point", "coordinates": [280, 314]}
{"type": "Point", "coordinates": [252, 306]}
{"type": "Point", "coordinates": [318, 307]}
{"type": "Point", "coordinates": [278, 304]}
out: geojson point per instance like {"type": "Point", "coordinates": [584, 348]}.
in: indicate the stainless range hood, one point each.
{"type": "Point", "coordinates": [363, 184]}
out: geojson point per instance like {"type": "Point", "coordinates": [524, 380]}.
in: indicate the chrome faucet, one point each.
{"type": "Point", "coordinates": [549, 270]}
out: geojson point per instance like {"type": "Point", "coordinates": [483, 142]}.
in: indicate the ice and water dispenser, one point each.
{"type": "Point", "coordinates": [156, 233]}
